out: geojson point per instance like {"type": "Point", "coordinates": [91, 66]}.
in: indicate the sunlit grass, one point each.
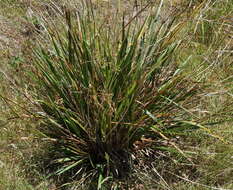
{"type": "Point", "coordinates": [102, 91]}
{"type": "Point", "coordinates": [114, 76]}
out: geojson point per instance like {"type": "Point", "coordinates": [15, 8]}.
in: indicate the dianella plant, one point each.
{"type": "Point", "coordinates": [103, 87]}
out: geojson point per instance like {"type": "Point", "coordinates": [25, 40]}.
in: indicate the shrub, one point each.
{"type": "Point", "coordinates": [106, 93]}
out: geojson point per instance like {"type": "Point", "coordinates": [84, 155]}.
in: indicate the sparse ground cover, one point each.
{"type": "Point", "coordinates": [206, 28]}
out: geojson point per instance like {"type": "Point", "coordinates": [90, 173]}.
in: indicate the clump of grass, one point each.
{"type": "Point", "coordinates": [155, 121]}
{"type": "Point", "coordinates": [105, 94]}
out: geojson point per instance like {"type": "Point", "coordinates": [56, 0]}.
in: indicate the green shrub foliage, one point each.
{"type": "Point", "coordinates": [103, 90]}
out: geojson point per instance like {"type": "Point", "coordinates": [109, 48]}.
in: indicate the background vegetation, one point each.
{"type": "Point", "coordinates": [187, 86]}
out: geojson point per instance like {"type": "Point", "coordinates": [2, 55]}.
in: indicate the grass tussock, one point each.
{"type": "Point", "coordinates": [121, 100]}
{"type": "Point", "coordinates": [104, 92]}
